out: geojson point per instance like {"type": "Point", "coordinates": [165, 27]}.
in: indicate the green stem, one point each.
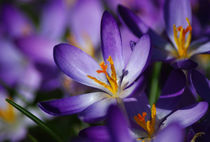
{"type": "Point", "coordinates": [154, 88]}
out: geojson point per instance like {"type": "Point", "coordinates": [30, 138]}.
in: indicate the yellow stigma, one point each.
{"type": "Point", "coordinates": [149, 125]}
{"type": "Point", "coordinates": [8, 114]}
{"type": "Point", "coordinates": [112, 86]}
{"type": "Point", "coordinates": [183, 40]}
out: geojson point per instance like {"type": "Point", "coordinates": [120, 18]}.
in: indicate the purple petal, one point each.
{"type": "Point", "coordinates": [200, 84]}
{"type": "Point", "coordinates": [202, 49]}
{"type": "Point", "coordinates": [137, 105]}
{"type": "Point", "coordinates": [29, 82]}
{"type": "Point", "coordinates": [176, 12]}
{"type": "Point", "coordinates": [172, 133]}
{"type": "Point", "coordinates": [184, 64]}
{"type": "Point", "coordinates": [50, 80]}
{"type": "Point", "coordinates": [174, 85]}
{"type": "Point", "coordinates": [132, 21]}
{"type": "Point", "coordinates": [37, 48]}
{"type": "Point", "coordinates": [162, 48]}
{"type": "Point", "coordinates": [77, 64]}
{"type": "Point", "coordinates": [128, 42]}
{"type": "Point", "coordinates": [188, 115]}
{"type": "Point", "coordinates": [111, 41]}
{"type": "Point", "coordinates": [96, 111]}
{"type": "Point", "coordinates": [53, 19]}
{"type": "Point", "coordinates": [11, 63]}
{"type": "Point", "coordinates": [138, 27]}
{"type": "Point", "coordinates": [95, 133]}
{"type": "Point", "coordinates": [16, 22]}
{"type": "Point", "coordinates": [138, 60]}
{"type": "Point", "coordinates": [83, 11]}
{"type": "Point", "coordinates": [118, 125]}
{"type": "Point", "coordinates": [70, 105]}
{"type": "Point", "coordinates": [168, 104]}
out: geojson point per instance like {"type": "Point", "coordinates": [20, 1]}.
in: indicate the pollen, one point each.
{"type": "Point", "coordinates": [112, 85]}
{"type": "Point", "coordinates": [182, 38]}
{"type": "Point", "coordinates": [149, 125]}
{"type": "Point", "coordinates": [8, 114]}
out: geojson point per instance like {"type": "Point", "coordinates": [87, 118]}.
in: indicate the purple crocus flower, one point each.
{"type": "Point", "coordinates": [146, 123]}
{"type": "Point", "coordinates": [179, 30]}
{"type": "Point", "coordinates": [178, 27]}
{"type": "Point", "coordinates": [53, 19]}
{"type": "Point", "coordinates": [114, 79]}
{"type": "Point", "coordinates": [85, 35]}
{"type": "Point", "coordinates": [15, 22]}
{"type": "Point", "coordinates": [118, 130]}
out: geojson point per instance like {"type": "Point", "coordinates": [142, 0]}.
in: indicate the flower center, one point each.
{"type": "Point", "coordinates": [8, 114]}
{"type": "Point", "coordinates": [112, 80]}
{"type": "Point", "coordinates": [183, 39]}
{"type": "Point", "coordinates": [149, 125]}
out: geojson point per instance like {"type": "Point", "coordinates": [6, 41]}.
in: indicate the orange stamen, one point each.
{"type": "Point", "coordinates": [112, 80]}
{"type": "Point", "coordinates": [148, 126]}
{"type": "Point", "coordinates": [182, 42]}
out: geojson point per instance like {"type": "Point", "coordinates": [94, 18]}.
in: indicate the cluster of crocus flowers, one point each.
{"type": "Point", "coordinates": [118, 78]}
{"type": "Point", "coordinates": [117, 84]}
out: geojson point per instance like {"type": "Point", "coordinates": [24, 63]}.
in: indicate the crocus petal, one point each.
{"type": "Point", "coordinates": [11, 63]}
{"type": "Point", "coordinates": [95, 133]}
{"type": "Point", "coordinates": [168, 104]}
{"type": "Point", "coordinates": [135, 24]}
{"type": "Point", "coordinates": [83, 11]}
{"type": "Point", "coordinates": [172, 133]}
{"type": "Point", "coordinates": [184, 64]}
{"type": "Point", "coordinates": [50, 80]}
{"type": "Point", "coordinates": [77, 64]}
{"type": "Point", "coordinates": [176, 12]}
{"type": "Point", "coordinates": [128, 42]}
{"type": "Point", "coordinates": [118, 125]}
{"type": "Point", "coordinates": [15, 22]}
{"type": "Point", "coordinates": [132, 21]}
{"type": "Point", "coordinates": [37, 48]}
{"type": "Point", "coordinates": [96, 111]}
{"type": "Point", "coordinates": [202, 49]}
{"type": "Point", "coordinates": [70, 105]}
{"type": "Point", "coordinates": [200, 84]}
{"type": "Point", "coordinates": [189, 115]}
{"type": "Point", "coordinates": [137, 105]}
{"type": "Point", "coordinates": [111, 41]}
{"type": "Point", "coordinates": [53, 19]}
{"type": "Point", "coordinates": [29, 82]}
{"type": "Point", "coordinates": [175, 84]}
{"type": "Point", "coordinates": [138, 60]}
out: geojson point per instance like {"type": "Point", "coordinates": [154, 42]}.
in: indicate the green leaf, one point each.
{"type": "Point", "coordinates": [32, 138]}
{"type": "Point", "coordinates": [35, 119]}
{"type": "Point", "coordinates": [154, 88]}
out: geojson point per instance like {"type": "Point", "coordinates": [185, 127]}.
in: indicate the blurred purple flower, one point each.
{"type": "Point", "coordinates": [113, 78]}
{"type": "Point", "coordinates": [178, 27]}
{"type": "Point", "coordinates": [84, 23]}
{"type": "Point", "coordinates": [53, 19]}
{"type": "Point", "coordinates": [151, 12]}
{"type": "Point", "coordinates": [15, 22]}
